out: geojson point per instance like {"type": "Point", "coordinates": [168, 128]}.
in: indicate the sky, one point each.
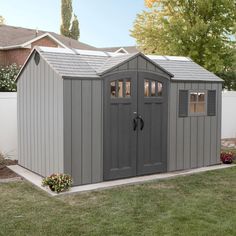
{"type": "Point", "coordinates": [103, 23]}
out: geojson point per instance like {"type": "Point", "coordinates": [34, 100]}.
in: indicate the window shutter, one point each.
{"type": "Point", "coordinates": [211, 103]}
{"type": "Point", "coordinates": [183, 103]}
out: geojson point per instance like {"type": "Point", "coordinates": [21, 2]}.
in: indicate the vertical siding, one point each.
{"type": "Point", "coordinates": [193, 141]}
{"type": "Point", "coordinates": [141, 64]}
{"type": "Point", "coordinates": [85, 120]}
{"type": "Point", "coordinates": [187, 136]}
{"type": "Point", "coordinates": [172, 160]}
{"type": "Point", "coordinates": [219, 117]}
{"type": "Point", "coordinates": [180, 136]}
{"type": "Point", "coordinates": [207, 135]}
{"type": "Point", "coordinates": [67, 86]}
{"type": "Point", "coordinates": [40, 130]}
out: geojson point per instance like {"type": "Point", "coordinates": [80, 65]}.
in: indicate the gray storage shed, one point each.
{"type": "Point", "coordinates": [101, 116]}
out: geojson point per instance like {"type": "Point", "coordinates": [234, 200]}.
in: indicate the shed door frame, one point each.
{"type": "Point", "coordinates": [138, 167]}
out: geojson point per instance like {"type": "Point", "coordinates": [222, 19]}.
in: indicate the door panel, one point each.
{"type": "Point", "coordinates": [152, 107]}
{"type": "Point", "coordinates": [121, 140]}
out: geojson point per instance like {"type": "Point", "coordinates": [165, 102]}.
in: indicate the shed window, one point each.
{"type": "Point", "coordinates": [113, 89]}
{"type": "Point", "coordinates": [120, 88]}
{"type": "Point", "coordinates": [197, 102]}
{"type": "Point", "coordinates": [128, 88]}
{"type": "Point", "coordinates": [152, 88]}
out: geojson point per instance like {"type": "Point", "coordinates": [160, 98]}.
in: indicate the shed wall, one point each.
{"type": "Point", "coordinates": [40, 119]}
{"type": "Point", "coordinates": [83, 129]}
{"type": "Point", "coordinates": [193, 141]}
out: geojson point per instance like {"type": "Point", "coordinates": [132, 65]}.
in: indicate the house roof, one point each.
{"type": "Point", "coordinates": [92, 64]}
{"type": "Point", "coordinates": [13, 37]}
{"type": "Point", "coordinates": [122, 49]}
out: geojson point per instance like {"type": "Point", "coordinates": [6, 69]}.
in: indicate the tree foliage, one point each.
{"type": "Point", "coordinates": [66, 15]}
{"type": "Point", "coordinates": [7, 78]}
{"type": "Point", "coordinates": [198, 29]}
{"type": "Point", "coordinates": [68, 28]}
{"type": "Point", "coordinates": [2, 20]}
{"type": "Point", "coordinates": [229, 78]}
{"type": "Point", "coordinates": [75, 32]}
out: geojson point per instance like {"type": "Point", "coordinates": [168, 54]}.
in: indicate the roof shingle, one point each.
{"type": "Point", "coordinates": [72, 63]}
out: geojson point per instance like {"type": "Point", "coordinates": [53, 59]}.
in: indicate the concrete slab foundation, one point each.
{"type": "Point", "coordinates": [37, 180]}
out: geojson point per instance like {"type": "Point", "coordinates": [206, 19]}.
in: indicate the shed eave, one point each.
{"type": "Point", "coordinates": [197, 80]}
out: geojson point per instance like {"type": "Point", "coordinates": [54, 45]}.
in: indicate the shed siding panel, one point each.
{"type": "Point", "coordinates": [97, 128]}
{"type": "Point", "coordinates": [42, 121]}
{"type": "Point", "coordinates": [87, 139]}
{"type": "Point", "coordinates": [187, 136]}
{"type": "Point", "coordinates": [219, 110]}
{"type": "Point", "coordinates": [46, 120]}
{"type": "Point", "coordinates": [214, 131]}
{"type": "Point", "coordinates": [194, 135]}
{"type": "Point", "coordinates": [133, 64]}
{"type": "Point", "coordinates": [123, 67]}
{"type": "Point", "coordinates": [67, 125]}
{"type": "Point", "coordinates": [142, 63]}
{"type": "Point", "coordinates": [194, 141]}
{"type": "Point", "coordinates": [173, 118]}
{"type": "Point", "coordinates": [200, 137]}
{"type": "Point", "coordinates": [180, 137]}
{"type": "Point", "coordinates": [19, 127]}
{"type": "Point", "coordinates": [36, 120]}
{"type": "Point", "coordinates": [207, 135]}
{"type": "Point", "coordinates": [77, 131]}
{"type": "Point", "coordinates": [86, 132]}
{"type": "Point", "coordinates": [38, 112]}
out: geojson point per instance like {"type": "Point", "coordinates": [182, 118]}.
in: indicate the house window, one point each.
{"type": "Point", "coordinates": [197, 102]}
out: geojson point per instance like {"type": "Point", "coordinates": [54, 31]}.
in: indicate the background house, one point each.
{"type": "Point", "coordinates": [17, 42]}
{"type": "Point", "coordinates": [121, 49]}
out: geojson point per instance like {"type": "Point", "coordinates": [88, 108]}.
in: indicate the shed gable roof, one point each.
{"type": "Point", "coordinates": [92, 64]}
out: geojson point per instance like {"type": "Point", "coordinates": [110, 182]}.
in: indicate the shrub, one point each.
{"type": "Point", "coordinates": [7, 78]}
{"type": "Point", "coordinates": [58, 182]}
{"type": "Point", "coordinates": [226, 157]}
{"type": "Point", "coordinates": [6, 161]}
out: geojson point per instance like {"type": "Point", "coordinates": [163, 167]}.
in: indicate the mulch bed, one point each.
{"type": "Point", "coordinates": [6, 173]}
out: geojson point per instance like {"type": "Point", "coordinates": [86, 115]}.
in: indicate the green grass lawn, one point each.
{"type": "Point", "coordinates": [201, 204]}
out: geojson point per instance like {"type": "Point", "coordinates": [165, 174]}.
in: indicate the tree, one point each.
{"type": "Point", "coordinates": [198, 29]}
{"type": "Point", "coordinates": [75, 32]}
{"type": "Point", "coordinates": [69, 29]}
{"type": "Point", "coordinates": [229, 78]}
{"type": "Point", "coordinates": [66, 14]}
{"type": "Point", "coordinates": [2, 20]}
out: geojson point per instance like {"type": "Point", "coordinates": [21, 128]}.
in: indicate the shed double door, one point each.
{"type": "Point", "coordinates": [135, 131]}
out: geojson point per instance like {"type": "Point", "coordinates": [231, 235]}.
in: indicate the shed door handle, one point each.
{"type": "Point", "coordinates": [135, 124]}
{"type": "Point", "coordinates": [142, 122]}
